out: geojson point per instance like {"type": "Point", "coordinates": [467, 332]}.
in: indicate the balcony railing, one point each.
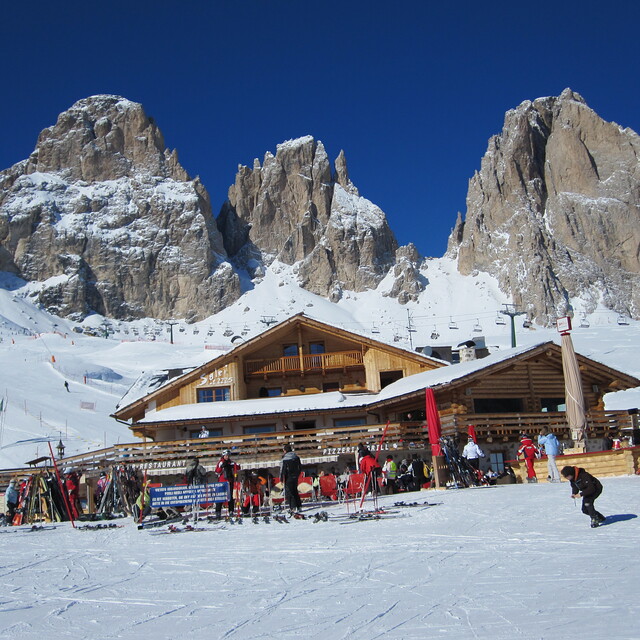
{"type": "Point", "coordinates": [505, 424]}
{"type": "Point", "coordinates": [307, 363]}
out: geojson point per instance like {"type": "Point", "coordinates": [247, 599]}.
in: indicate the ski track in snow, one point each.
{"type": "Point", "coordinates": [505, 562]}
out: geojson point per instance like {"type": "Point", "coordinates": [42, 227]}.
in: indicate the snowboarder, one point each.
{"type": "Point", "coordinates": [11, 499]}
{"type": "Point", "coordinates": [290, 468]}
{"type": "Point", "coordinates": [551, 449]}
{"type": "Point", "coordinates": [227, 470]}
{"type": "Point", "coordinates": [529, 452]}
{"type": "Point", "coordinates": [589, 488]}
{"type": "Point", "coordinates": [472, 453]}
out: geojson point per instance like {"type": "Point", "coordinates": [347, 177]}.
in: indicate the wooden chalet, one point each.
{"type": "Point", "coordinates": [325, 389]}
{"type": "Point", "coordinates": [301, 374]}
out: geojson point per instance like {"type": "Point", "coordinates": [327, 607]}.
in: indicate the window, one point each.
{"type": "Point", "coordinates": [214, 394]}
{"type": "Point", "coordinates": [269, 392]}
{"type": "Point", "coordinates": [290, 350]}
{"type": "Point", "coordinates": [316, 347]}
{"type": "Point", "coordinates": [259, 428]}
{"type": "Point", "coordinates": [304, 425]}
{"type": "Point", "coordinates": [387, 377]}
{"type": "Point", "coordinates": [497, 462]}
{"type": "Point", "coordinates": [498, 405]}
{"type": "Point", "coordinates": [552, 404]}
{"type": "Point", "coordinates": [349, 422]}
{"type": "Point", "coordinates": [330, 386]}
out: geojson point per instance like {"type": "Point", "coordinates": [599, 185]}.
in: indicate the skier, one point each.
{"type": "Point", "coordinates": [252, 487]}
{"type": "Point", "coordinates": [11, 499]}
{"type": "Point", "coordinates": [416, 468]}
{"type": "Point", "coordinates": [390, 473]}
{"type": "Point", "coordinates": [143, 503]}
{"type": "Point", "coordinates": [195, 472]}
{"type": "Point", "coordinates": [589, 488]}
{"type": "Point", "coordinates": [528, 451]}
{"type": "Point", "coordinates": [72, 485]}
{"type": "Point", "coordinates": [226, 470]}
{"type": "Point", "coordinates": [101, 485]}
{"type": "Point", "coordinates": [371, 468]}
{"type": "Point", "coordinates": [472, 453]}
{"type": "Point", "coordinates": [551, 449]}
{"type": "Point", "coordinates": [290, 468]}
{"type": "Point", "coordinates": [66, 386]}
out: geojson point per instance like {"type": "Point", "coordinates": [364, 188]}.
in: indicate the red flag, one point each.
{"type": "Point", "coordinates": [472, 433]}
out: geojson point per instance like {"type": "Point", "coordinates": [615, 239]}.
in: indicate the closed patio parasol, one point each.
{"type": "Point", "coordinates": [574, 397]}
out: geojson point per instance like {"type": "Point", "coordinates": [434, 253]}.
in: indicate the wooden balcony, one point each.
{"type": "Point", "coordinates": [512, 424]}
{"type": "Point", "coordinates": [305, 363]}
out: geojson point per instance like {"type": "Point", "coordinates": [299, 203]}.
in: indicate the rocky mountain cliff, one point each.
{"type": "Point", "coordinates": [554, 211]}
{"type": "Point", "coordinates": [102, 217]}
{"type": "Point", "coordinates": [106, 219]}
{"type": "Point", "coordinates": [295, 209]}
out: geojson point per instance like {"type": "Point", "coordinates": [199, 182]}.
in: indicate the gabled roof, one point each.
{"type": "Point", "coordinates": [134, 403]}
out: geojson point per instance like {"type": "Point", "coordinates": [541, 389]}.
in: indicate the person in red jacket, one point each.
{"type": "Point", "coordinates": [528, 451]}
{"type": "Point", "coordinates": [370, 467]}
{"type": "Point", "coordinates": [227, 471]}
{"type": "Point", "coordinates": [72, 485]}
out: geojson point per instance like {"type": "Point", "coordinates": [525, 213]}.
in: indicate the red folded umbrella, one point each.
{"type": "Point", "coordinates": [433, 422]}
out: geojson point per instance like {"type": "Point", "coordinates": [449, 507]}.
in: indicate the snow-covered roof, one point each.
{"type": "Point", "coordinates": [446, 375]}
{"type": "Point", "coordinates": [333, 400]}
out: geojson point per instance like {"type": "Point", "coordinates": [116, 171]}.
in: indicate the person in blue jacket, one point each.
{"type": "Point", "coordinates": [551, 449]}
{"type": "Point", "coordinates": [11, 500]}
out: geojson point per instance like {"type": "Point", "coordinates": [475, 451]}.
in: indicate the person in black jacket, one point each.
{"type": "Point", "coordinates": [585, 485]}
{"type": "Point", "coordinates": [290, 468]}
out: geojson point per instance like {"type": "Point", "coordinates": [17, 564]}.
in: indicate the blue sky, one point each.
{"type": "Point", "coordinates": [410, 90]}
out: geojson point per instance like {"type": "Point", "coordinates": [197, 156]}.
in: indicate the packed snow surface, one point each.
{"type": "Point", "coordinates": [504, 562]}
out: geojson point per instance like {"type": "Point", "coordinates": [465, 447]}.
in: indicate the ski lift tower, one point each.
{"type": "Point", "coordinates": [171, 324]}
{"type": "Point", "coordinates": [512, 311]}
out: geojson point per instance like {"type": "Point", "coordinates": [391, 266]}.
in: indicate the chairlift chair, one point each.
{"type": "Point", "coordinates": [434, 334]}
{"type": "Point", "coordinates": [526, 324]}
{"type": "Point", "coordinates": [584, 323]}
{"type": "Point", "coordinates": [622, 320]}
{"type": "Point", "coordinates": [452, 324]}
{"type": "Point", "coordinates": [227, 332]}
{"type": "Point", "coordinates": [374, 328]}
{"type": "Point", "coordinates": [477, 327]}
{"type": "Point", "coordinates": [500, 319]}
